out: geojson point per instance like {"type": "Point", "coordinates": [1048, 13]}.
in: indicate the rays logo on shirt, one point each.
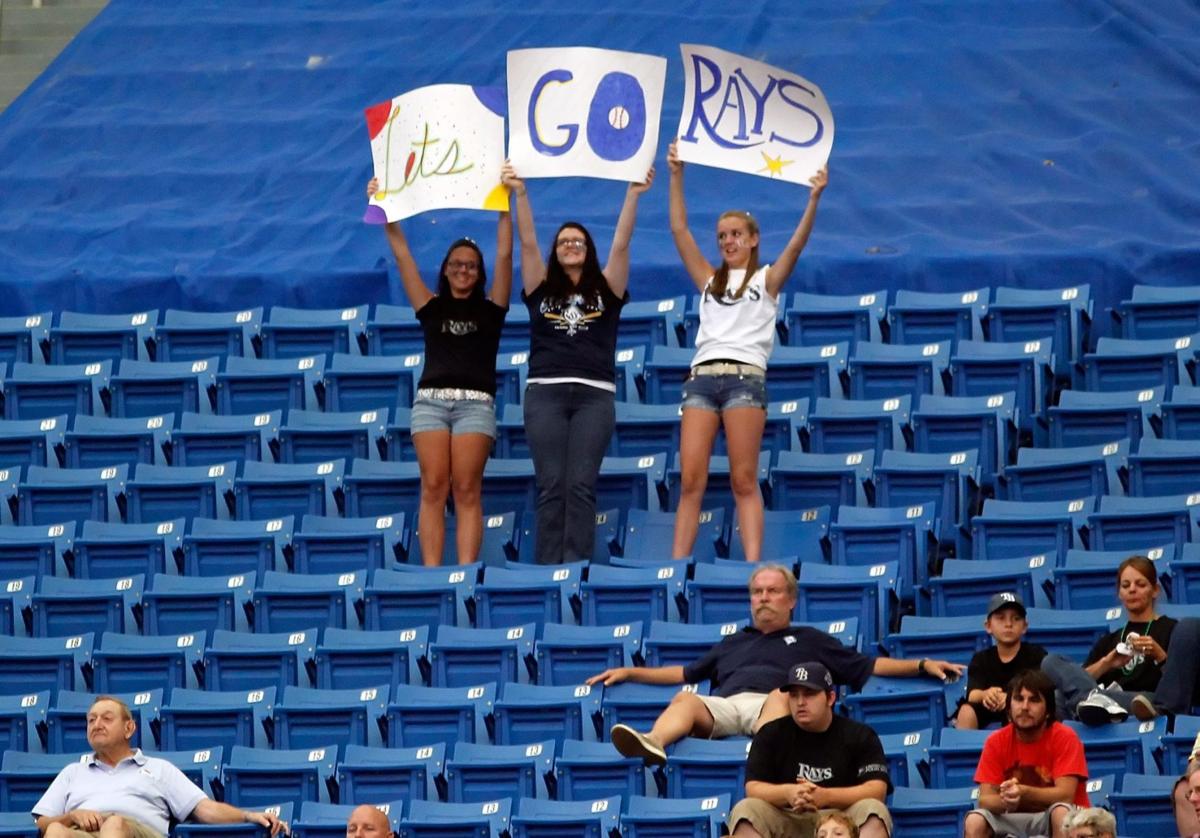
{"type": "Point", "coordinates": [571, 315]}
{"type": "Point", "coordinates": [458, 328]}
{"type": "Point", "coordinates": [812, 773]}
{"type": "Point", "coordinates": [752, 293]}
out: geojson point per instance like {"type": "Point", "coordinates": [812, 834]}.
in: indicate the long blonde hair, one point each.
{"type": "Point", "coordinates": [720, 280]}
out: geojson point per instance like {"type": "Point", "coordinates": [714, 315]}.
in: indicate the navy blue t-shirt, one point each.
{"type": "Point", "coordinates": [753, 662]}
{"type": "Point", "coordinates": [575, 336]}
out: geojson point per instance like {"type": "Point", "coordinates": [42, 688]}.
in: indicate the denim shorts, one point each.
{"type": "Point", "coordinates": [721, 392]}
{"type": "Point", "coordinates": [458, 416]}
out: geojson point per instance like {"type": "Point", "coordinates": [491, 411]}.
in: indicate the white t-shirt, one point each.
{"type": "Point", "coordinates": [741, 329]}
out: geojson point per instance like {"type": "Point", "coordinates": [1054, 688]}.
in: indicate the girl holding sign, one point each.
{"type": "Point", "coordinates": [454, 413]}
{"type": "Point", "coordinates": [570, 395]}
{"type": "Point", "coordinates": [728, 382]}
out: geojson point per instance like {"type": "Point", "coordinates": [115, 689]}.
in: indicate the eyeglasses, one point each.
{"type": "Point", "coordinates": [455, 265]}
{"type": "Point", "coordinates": [571, 244]}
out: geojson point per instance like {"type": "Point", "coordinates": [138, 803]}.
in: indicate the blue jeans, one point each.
{"type": "Point", "coordinates": [568, 427]}
{"type": "Point", "coordinates": [1176, 688]}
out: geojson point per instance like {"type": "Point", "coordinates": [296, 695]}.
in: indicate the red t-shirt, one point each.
{"type": "Point", "coordinates": [1056, 753]}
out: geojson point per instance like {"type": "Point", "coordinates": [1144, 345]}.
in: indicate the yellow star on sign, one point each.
{"type": "Point", "coordinates": [774, 164]}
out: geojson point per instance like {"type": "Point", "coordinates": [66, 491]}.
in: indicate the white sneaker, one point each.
{"type": "Point", "coordinates": [631, 743]}
{"type": "Point", "coordinates": [1098, 709]}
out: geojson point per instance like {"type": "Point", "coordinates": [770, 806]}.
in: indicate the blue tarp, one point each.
{"type": "Point", "coordinates": [213, 155]}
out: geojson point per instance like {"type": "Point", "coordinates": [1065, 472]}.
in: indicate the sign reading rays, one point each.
{"type": "Point", "coordinates": [751, 117]}
{"type": "Point", "coordinates": [584, 111]}
{"type": "Point", "coordinates": [437, 147]}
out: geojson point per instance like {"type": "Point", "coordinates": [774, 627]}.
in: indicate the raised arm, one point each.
{"type": "Point", "coordinates": [616, 272]}
{"type": "Point", "coordinates": [781, 269]}
{"type": "Point", "coordinates": [410, 277]}
{"type": "Point", "coordinates": [533, 270]}
{"type": "Point", "coordinates": [697, 267]}
{"type": "Point", "coordinates": [502, 274]}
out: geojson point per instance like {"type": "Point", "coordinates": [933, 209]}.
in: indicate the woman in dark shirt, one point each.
{"type": "Point", "coordinates": [454, 413]}
{"type": "Point", "coordinates": [569, 400]}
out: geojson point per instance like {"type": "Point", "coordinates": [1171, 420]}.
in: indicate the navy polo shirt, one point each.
{"type": "Point", "coordinates": [753, 662]}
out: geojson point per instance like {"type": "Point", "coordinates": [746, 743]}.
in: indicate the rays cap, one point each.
{"type": "Point", "coordinates": [1007, 599]}
{"type": "Point", "coordinates": [813, 676]}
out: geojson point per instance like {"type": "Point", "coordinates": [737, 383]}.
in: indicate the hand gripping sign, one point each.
{"type": "Point", "coordinates": [437, 147]}
{"type": "Point", "coordinates": [584, 111]}
{"type": "Point", "coordinates": [751, 117]}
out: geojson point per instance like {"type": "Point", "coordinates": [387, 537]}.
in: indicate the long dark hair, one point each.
{"type": "Point", "coordinates": [720, 280]}
{"type": "Point", "coordinates": [477, 292]}
{"type": "Point", "coordinates": [591, 281]}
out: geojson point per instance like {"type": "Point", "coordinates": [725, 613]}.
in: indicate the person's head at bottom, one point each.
{"type": "Point", "coordinates": [836, 825]}
{"type": "Point", "coordinates": [1194, 789]}
{"type": "Point", "coordinates": [366, 821]}
{"type": "Point", "coordinates": [1090, 823]}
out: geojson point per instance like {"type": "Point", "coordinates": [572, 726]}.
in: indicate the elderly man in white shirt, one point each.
{"type": "Point", "coordinates": [119, 792]}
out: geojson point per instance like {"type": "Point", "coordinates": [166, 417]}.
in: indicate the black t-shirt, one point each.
{"type": "Point", "coordinates": [1140, 674]}
{"type": "Point", "coordinates": [987, 670]}
{"type": "Point", "coordinates": [751, 661]}
{"type": "Point", "coordinates": [462, 338]}
{"type": "Point", "coordinates": [573, 336]}
{"type": "Point", "coordinates": [846, 753]}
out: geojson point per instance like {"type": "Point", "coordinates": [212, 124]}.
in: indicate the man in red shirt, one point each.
{"type": "Point", "coordinates": [1032, 772]}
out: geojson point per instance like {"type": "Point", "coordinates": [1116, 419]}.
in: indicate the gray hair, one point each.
{"type": "Point", "coordinates": [1098, 819]}
{"type": "Point", "coordinates": [788, 578]}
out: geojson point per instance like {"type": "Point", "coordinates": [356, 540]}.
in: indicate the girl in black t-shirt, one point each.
{"type": "Point", "coordinates": [574, 306]}
{"type": "Point", "coordinates": [454, 414]}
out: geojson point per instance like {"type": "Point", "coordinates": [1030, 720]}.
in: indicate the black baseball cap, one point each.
{"type": "Point", "coordinates": [1007, 599]}
{"type": "Point", "coordinates": [813, 676]}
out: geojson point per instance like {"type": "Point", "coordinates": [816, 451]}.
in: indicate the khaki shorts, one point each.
{"type": "Point", "coordinates": [734, 715]}
{"type": "Point", "coordinates": [772, 822]}
{"type": "Point", "coordinates": [137, 829]}
{"type": "Point", "coordinates": [1022, 823]}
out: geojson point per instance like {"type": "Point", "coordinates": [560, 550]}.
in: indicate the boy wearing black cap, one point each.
{"type": "Point", "coordinates": [990, 670]}
{"type": "Point", "coordinates": [810, 762]}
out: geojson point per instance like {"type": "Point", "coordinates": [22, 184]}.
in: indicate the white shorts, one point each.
{"type": "Point", "coordinates": [734, 715]}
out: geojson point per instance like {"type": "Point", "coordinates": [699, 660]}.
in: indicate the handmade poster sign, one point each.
{"type": "Point", "coordinates": [437, 147]}
{"type": "Point", "coordinates": [751, 117]}
{"type": "Point", "coordinates": [584, 111]}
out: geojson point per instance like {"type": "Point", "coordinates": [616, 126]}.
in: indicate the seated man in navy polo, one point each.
{"type": "Point", "coordinates": [745, 670]}
{"type": "Point", "coordinates": [118, 792]}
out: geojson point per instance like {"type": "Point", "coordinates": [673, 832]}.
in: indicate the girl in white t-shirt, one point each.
{"type": "Point", "coordinates": [727, 385]}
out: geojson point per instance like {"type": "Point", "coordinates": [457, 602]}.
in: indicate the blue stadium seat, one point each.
{"type": "Point", "coordinates": [666, 370]}
{"type": "Point", "coordinates": [449, 820]}
{"type": "Point", "coordinates": [511, 442]}
{"type": "Point", "coordinates": [477, 773]}
{"type": "Point", "coordinates": [105, 550]}
{"type": "Point", "coordinates": [255, 777]}
{"type": "Point", "coordinates": [1026, 368]}
{"type": "Point", "coordinates": [306, 717]}
{"type": "Point", "coordinates": [82, 338]}
{"type": "Point", "coordinates": [951, 482]}
{"type": "Point", "coordinates": [643, 429]}
{"type": "Point", "coordinates": [639, 705]}
{"type": "Point", "coordinates": [569, 655]}
{"type": "Point", "coordinates": [33, 442]}
{"type": "Point", "coordinates": [399, 441]}
{"type": "Point", "coordinates": [209, 440]}
{"type": "Point", "coordinates": [678, 644]}
{"type": "Point", "coordinates": [719, 593]}
{"type": "Point", "coordinates": [16, 612]}
{"type": "Point", "coordinates": [199, 719]}
{"type": "Point", "coordinates": [66, 720]}
{"type": "Point", "coordinates": [1133, 522]}
{"type": "Point", "coordinates": [293, 601]}
{"type": "Point", "coordinates": [1012, 529]}
{"type": "Point", "coordinates": [1181, 414]}
{"type": "Point", "coordinates": [35, 550]}
{"type": "Point", "coordinates": [52, 495]}
{"type": "Point", "coordinates": [533, 593]}
{"type": "Point", "coordinates": [1083, 418]}
{"type": "Point", "coordinates": [964, 586]}
{"type": "Point", "coordinates": [613, 595]}
{"type": "Point", "coordinates": [296, 332]}
{"type": "Point", "coordinates": [536, 818]}
{"type": "Point", "coordinates": [383, 488]}
{"type": "Point", "coordinates": [499, 544]}
{"type": "Point", "coordinates": [227, 548]}
{"type": "Point", "coordinates": [460, 657]}
{"type": "Point", "coordinates": [355, 382]}
{"type": "Point", "coordinates": [371, 775]}
{"type": "Point", "coordinates": [254, 386]}
{"type": "Point", "coordinates": [882, 371]}
{"type": "Point", "coordinates": [36, 664]}
{"type": "Point", "coordinates": [1144, 800]}
{"type": "Point", "coordinates": [652, 322]}
{"type": "Point", "coordinates": [650, 535]}
{"type": "Point", "coordinates": [1047, 474]}
{"type": "Point", "coordinates": [348, 659]}
{"type": "Point", "coordinates": [311, 436]}
{"type": "Point", "coordinates": [339, 545]}
{"type": "Point", "coordinates": [394, 330]}
{"type": "Point", "coordinates": [527, 713]}
{"type": "Point", "coordinates": [868, 595]}
{"type": "Point", "coordinates": [950, 424]}
{"type": "Point", "coordinates": [948, 638]}
{"type": "Point", "coordinates": [396, 599]}
{"type": "Point", "coordinates": [937, 813]}
{"type": "Point", "coordinates": [1118, 364]}
{"type": "Point", "coordinates": [707, 767]}
{"type": "Point", "coordinates": [512, 369]}
{"type": "Point", "coordinates": [164, 493]}
{"type": "Point", "coordinates": [38, 391]}
{"type": "Point", "coordinates": [328, 820]}
{"type": "Point", "coordinates": [126, 663]}
{"type": "Point", "coordinates": [907, 756]}
{"type": "Point", "coordinates": [838, 426]}
{"type": "Point", "coordinates": [147, 388]}
{"type": "Point", "coordinates": [64, 606]}
{"type": "Point", "coordinates": [24, 777]}
{"type": "Point", "coordinates": [1085, 579]}
{"type": "Point", "coordinates": [1024, 314]}
{"type": "Point", "coordinates": [877, 535]}
{"type": "Point", "coordinates": [953, 760]}
{"type": "Point", "coordinates": [1185, 575]}
{"type": "Point", "coordinates": [274, 490]}
{"type": "Point", "coordinates": [428, 715]}
{"type": "Point", "coordinates": [898, 705]}
{"type": "Point", "coordinates": [675, 818]}
{"type": "Point", "coordinates": [1121, 748]}
{"type": "Point", "coordinates": [284, 811]}
{"type": "Point", "coordinates": [1157, 312]}
{"type": "Point", "coordinates": [194, 335]}
{"type": "Point", "coordinates": [202, 766]}
{"type": "Point", "coordinates": [927, 317]}
{"type": "Point", "coordinates": [594, 770]}
{"type": "Point", "coordinates": [239, 661]}
{"type": "Point", "coordinates": [806, 373]}
{"type": "Point", "coordinates": [1071, 633]}
{"type": "Point", "coordinates": [1175, 747]}
{"type": "Point", "coordinates": [821, 319]}
{"type": "Point", "coordinates": [182, 604]}
{"type": "Point", "coordinates": [1164, 467]}
{"type": "Point", "coordinates": [803, 534]}
{"type": "Point", "coordinates": [802, 480]}
{"type": "Point", "coordinates": [717, 492]}
{"type": "Point", "coordinates": [20, 716]}
{"type": "Point", "coordinates": [20, 334]}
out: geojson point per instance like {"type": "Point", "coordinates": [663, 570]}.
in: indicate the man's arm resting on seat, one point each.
{"type": "Point", "coordinates": [639, 675]}
{"type": "Point", "coordinates": [210, 811]}
{"type": "Point", "coordinates": [901, 668]}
